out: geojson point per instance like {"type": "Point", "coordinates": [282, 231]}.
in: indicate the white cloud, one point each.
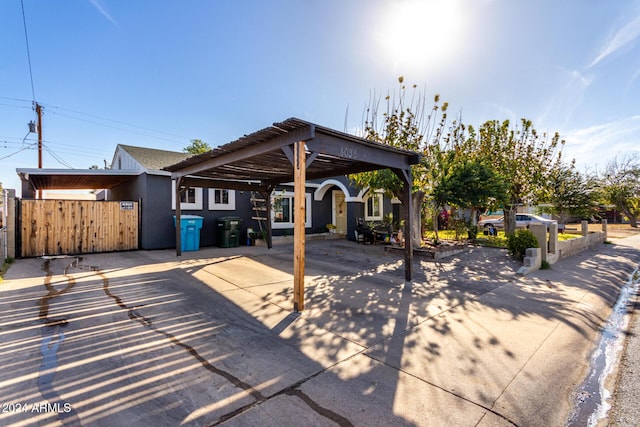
{"type": "Point", "coordinates": [633, 79]}
{"type": "Point", "coordinates": [623, 37]}
{"type": "Point", "coordinates": [103, 12]}
{"type": "Point", "coordinates": [595, 145]}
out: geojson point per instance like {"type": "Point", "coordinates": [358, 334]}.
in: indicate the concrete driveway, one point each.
{"type": "Point", "coordinates": [142, 338]}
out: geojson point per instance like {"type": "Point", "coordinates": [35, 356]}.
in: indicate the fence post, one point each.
{"type": "Point", "coordinates": [540, 231]}
{"type": "Point", "coordinates": [3, 227]}
{"type": "Point", "coordinates": [9, 250]}
{"type": "Point", "coordinates": [553, 238]}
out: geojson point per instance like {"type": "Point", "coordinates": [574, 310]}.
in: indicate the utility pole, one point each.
{"type": "Point", "coordinates": [39, 113]}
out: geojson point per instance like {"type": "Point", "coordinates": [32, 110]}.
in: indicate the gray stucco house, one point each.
{"type": "Point", "coordinates": [329, 201]}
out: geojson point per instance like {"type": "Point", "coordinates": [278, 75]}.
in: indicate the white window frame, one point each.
{"type": "Point", "coordinates": [289, 194]}
{"type": "Point", "coordinates": [213, 206]}
{"type": "Point", "coordinates": [368, 217]}
{"type": "Point", "coordinates": [196, 206]}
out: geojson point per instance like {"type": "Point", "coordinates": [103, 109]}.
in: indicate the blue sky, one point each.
{"type": "Point", "coordinates": [159, 73]}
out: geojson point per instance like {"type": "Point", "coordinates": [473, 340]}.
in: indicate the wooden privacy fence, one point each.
{"type": "Point", "coordinates": [66, 227]}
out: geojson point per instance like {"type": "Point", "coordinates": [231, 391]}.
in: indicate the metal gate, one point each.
{"type": "Point", "coordinates": [69, 227]}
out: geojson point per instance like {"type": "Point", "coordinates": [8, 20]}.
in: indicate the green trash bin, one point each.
{"type": "Point", "coordinates": [229, 231]}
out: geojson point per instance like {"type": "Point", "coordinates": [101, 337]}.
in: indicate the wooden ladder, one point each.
{"type": "Point", "coordinates": [259, 210]}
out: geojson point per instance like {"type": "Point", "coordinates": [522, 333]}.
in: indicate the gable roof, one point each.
{"type": "Point", "coordinates": [152, 158]}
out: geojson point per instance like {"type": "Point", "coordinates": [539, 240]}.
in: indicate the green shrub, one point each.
{"type": "Point", "coordinates": [518, 242]}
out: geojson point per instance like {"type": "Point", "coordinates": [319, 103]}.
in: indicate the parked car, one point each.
{"type": "Point", "coordinates": [522, 221]}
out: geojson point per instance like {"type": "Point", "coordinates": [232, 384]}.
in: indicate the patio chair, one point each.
{"type": "Point", "coordinates": [363, 233]}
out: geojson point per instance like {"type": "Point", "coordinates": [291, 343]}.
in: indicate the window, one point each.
{"type": "Point", "coordinates": [282, 213]}
{"type": "Point", "coordinates": [190, 199]}
{"type": "Point", "coordinates": [222, 200]}
{"type": "Point", "coordinates": [373, 208]}
{"type": "Point", "coordinates": [188, 196]}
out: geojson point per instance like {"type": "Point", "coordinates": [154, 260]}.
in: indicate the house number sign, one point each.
{"type": "Point", "coordinates": [348, 153]}
{"type": "Point", "coordinates": [126, 206]}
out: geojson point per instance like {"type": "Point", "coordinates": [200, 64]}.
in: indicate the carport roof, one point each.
{"type": "Point", "coordinates": [266, 156]}
{"type": "Point", "coordinates": [74, 179]}
{"type": "Point", "coordinates": [299, 150]}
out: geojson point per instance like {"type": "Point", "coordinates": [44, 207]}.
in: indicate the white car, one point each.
{"type": "Point", "coordinates": [522, 221]}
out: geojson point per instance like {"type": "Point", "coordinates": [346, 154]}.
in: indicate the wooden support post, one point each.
{"type": "Point", "coordinates": [178, 215]}
{"type": "Point", "coordinates": [299, 172]}
{"type": "Point", "coordinates": [407, 184]}
{"type": "Point", "coordinates": [408, 246]}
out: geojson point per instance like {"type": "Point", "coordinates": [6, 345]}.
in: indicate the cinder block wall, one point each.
{"type": "Point", "coordinates": [558, 250]}
{"type": "Point", "coordinates": [572, 247]}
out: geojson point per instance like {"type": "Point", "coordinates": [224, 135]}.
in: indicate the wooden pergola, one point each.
{"type": "Point", "coordinates": [299, 150]}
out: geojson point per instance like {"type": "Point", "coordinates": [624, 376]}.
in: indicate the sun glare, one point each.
{"type": "Point", "coordinates": [420, 33]}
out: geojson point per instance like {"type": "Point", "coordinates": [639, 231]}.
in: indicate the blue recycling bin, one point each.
{"type": "Point", "coordinates": [190, 226]}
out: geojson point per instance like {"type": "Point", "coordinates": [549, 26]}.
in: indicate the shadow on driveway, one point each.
{"type": "Point", "coordinates": [144, 338]}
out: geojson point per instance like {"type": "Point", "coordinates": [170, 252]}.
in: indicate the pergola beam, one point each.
{"type": "Point", "coordinates": [256, 150]}
{"type": "Point", "coordinates": [354, 151]}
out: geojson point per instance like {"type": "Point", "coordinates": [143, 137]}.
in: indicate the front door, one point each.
{"type": "Point", "coordinates": [339, 215]}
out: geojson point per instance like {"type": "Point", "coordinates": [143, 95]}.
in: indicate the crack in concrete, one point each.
{"type": "Point", "coordinates": [147, 323]}
{"type": "Point", "coordinates": [49, 348]}
{"type": "Point", "coordinates": [259, 398]}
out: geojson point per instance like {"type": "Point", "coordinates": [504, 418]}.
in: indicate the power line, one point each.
{"type": "Point", "coordinates": [124, 129]}
{"type": "Point", "coordinates": [16, 138]}
{"type": "Point", "coordinates": [25, 148]}
{"type": "Point", "coordinates": [26, 38]}
{"type": "Point", "coordinates": [10, 144]}
{"type": "Point", "coordinates": [57, 158]}
{"type": "Point", "coordinates": [110, 120]}
{"type": "Point", "coordinates": [72, 149]}
{"type": "Point", "coordinates": [15, 99]}
{"type": "Point", "coordinates": [52, 109]}
{"type": "Point", "coordinates": [14, 106]}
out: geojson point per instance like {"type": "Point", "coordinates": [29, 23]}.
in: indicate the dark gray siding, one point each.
{"type": "Point", "coordinates": [157, 230]}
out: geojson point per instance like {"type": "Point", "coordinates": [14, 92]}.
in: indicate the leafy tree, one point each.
{"type": "Point", "coordinates": [404, 124]}
{"type": "Point", "coordinates": [569, 193]}
{"type": "Point", "coordinates": [621, 185]}
{"type": "Point", "coordinates": [463, 177]}
{"type": "Point", "coordinates": [471, 184]}
{"type": "Point", "coordinates": [523, 157]}
{"type": "Point", "coordinates": [197, 146]}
